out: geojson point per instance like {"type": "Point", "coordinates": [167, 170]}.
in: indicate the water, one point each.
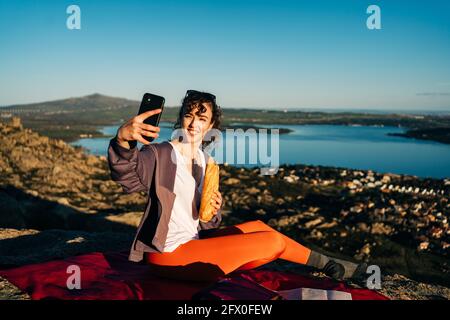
{"type": "Point", "coordinates": [357, 147]}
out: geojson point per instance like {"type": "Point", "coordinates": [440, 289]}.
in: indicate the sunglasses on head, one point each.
{"type": "Point", "coordinates": [200, 94]}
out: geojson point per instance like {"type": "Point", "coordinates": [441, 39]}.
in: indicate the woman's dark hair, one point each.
{"type": "Point", "coordinates": [194, 100]}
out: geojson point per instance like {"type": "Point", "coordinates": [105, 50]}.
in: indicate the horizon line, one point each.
{"type": "Point", "coordinates": [275, 108]}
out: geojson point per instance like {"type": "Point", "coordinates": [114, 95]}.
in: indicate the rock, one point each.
{"type": "Point", "coordinates": [399, 287]}
{"type": "Point", "coordinates": [357, 209]}
{"type": "Point", "coordinates": [231, 181]}
{"type": "Point", "coordinates": [33, 193]}
{"type": "Point", "coordinates": [262, 183]}
{"type": "Point", "coordinates": [252, 190]}
{"type": "Point", "coordinates": [343, 234]}
{"type": "Point", "coordinates": [260, 212]}
{"type": "Point", "coordinates": [8, 291]}
{"type": "Point", "coordinates": [131, 199]}
{"type": "Point", "coordinates": [16, 123]}
{"type": "Point", "coordinates": [365, 250]}
{"type": "Point", "coordinates": [436, 232]}
{"type": "Point", "coordinates": [327, 225]}
{"type": "Point", "coordinates": [76, 240]}
{"type": "Point", "coordinates": [362, 227]}
{"type": "Point", "coordinates": [313, 223]}
{"type": "Point", "coordinates": [423, 246]}
{"type": "Point", "coordinates": [130, 218]}
{"type": "Point", "coordinates": [25, 161]}
{"type": "Point", "coordinates": [291, 178]}
{"type": "Point", "coordinates": [63, 201]}
{"type": "Point", "coordinates": [381, 228]}
{"type": "Point", "coordinates": [318, 235]}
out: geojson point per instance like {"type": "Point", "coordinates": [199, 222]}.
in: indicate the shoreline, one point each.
{"type": "Point", "coordinates": [71, 136]}
{"type": "Point", "coordinates": [441, 135]}
{"type": "Point", "coordinates": [416, 134]}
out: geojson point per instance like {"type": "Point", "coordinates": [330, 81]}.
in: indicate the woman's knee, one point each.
{"type": "Point", "coordinates": [275, 243]}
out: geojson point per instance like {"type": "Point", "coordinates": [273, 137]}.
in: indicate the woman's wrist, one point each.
{"type": "Point", "coordinates": [122, 143]}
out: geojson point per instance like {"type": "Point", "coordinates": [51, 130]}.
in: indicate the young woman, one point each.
{"type": "Point", "coordinates": [170, 237]}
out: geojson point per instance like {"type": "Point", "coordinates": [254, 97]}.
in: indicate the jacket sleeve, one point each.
{"type": "Point", "coordinates": [131, 168]}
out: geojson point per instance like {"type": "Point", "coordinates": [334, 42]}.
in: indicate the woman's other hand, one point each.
{"type": "Point", "coordinates": [216, 201]}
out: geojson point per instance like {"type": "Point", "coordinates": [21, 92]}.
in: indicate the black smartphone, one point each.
{"type": "Point", "coordinates": [151, 102]}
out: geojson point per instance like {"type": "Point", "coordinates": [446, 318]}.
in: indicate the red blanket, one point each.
{"type": "Point", "coordinates": [111, 276]}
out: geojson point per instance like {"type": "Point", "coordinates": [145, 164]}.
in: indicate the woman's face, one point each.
{"type": "Point", "coordinates": [197, 124]}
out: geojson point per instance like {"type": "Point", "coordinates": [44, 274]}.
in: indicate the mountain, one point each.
{"type": "Point", "coordinates": [91, 102]}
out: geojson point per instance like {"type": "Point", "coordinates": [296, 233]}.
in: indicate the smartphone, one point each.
{"type": "Point", "coordinates": [151, 102]}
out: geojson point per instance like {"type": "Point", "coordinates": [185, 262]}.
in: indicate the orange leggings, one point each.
{"type": "Point", "coordinates": [239, 247]}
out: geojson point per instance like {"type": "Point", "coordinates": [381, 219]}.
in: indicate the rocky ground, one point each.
{"type": "Point", "coordinates": [57, 201]}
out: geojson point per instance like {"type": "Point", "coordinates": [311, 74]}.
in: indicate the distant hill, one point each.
{"type": "Point", "coordinates": [91, 102]}
{"type": "Point", "coordinates": [94, 109]}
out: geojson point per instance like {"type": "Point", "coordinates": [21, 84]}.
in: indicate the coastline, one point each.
{"type": "Point", "coordinates": [441, 135]}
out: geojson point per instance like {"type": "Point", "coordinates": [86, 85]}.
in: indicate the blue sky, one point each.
{"type": "Point", "coordinates": [270, 54]}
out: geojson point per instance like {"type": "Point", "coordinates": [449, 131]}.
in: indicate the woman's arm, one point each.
{"type": "Point", "coordinates": [131, 168]}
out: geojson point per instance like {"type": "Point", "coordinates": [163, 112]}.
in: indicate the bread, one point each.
{"type": "Point", "coordinates": [210, 185]}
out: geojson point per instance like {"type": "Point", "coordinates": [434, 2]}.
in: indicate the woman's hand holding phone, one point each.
{"type": "Point", "coordinates": [135, 128]}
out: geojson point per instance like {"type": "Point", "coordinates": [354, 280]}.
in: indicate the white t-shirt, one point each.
{"type": "Point", "coordinates": [184, 219]}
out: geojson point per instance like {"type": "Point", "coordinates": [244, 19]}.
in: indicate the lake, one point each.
{"type": "Point", "coordinates": [356, 147]}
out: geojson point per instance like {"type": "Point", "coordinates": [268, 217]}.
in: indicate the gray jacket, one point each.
{"type": "Point", "coordinates": [151, 170]}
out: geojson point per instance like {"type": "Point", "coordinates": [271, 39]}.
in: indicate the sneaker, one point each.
{"type": "Point", "coordinates": [334, 270]}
